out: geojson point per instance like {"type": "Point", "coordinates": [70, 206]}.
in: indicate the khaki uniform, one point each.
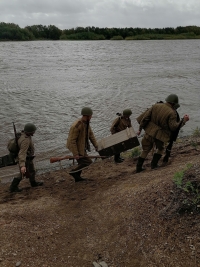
{"type": "Point", "coordinates": [77, 142]}
{"type": "Point", "coordinates": [26, 155]}
{"type": "Point", "coordinates": [158, 122]}
{"type": "Point", "coordinates": [25, 158]}
{"type": "Point", "coordinates": [120, 124]}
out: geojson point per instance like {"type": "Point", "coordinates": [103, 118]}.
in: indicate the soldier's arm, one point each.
{"type": "Point", "coordinates": [92, 138]}
{"type": "Point", "coordinates": [73, 140]}
{"type": "Point", "coordinates": [173, 124]}
{"type": "Point", "coordinates": [113, 128]}
{"type": "Point", "coordinates": [145, 120]}
{"type": "Point", "coordinates": [23, 152]}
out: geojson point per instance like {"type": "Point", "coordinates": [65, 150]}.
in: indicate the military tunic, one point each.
{"type": "Point", "coordinates": [120, 124]}
{"type": "Point", "coordinates": [158, 122]}
{"type": "Point", "coordinates": [26, 154]}
{"type": "Point", "coordinates": [77, 142]}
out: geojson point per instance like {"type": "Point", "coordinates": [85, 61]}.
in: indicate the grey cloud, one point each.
{"type": "Point", "coordinates": [105, 13]}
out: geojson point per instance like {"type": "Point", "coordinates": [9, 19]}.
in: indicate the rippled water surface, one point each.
{"type": "Point", "coordinates": [49, 82]}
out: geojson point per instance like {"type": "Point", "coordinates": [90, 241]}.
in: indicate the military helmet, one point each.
{"type": "Point", "coordinates": [29, 128]}
{"type": "Point", "coordinates": [86, 111]}
{"type": "Point", "coordinates": [127, 112]}
{"type": "Point", "coordinates": [172, 99]}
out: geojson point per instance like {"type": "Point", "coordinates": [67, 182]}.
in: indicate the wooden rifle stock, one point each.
{"type": "Point", "coordinates": [55, 159]}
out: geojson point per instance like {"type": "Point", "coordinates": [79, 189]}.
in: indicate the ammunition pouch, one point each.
{"type": "Point", "coordinates": [7, 160]}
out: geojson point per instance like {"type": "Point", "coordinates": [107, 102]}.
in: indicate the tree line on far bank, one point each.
{"type": "Point", "coordinates": [12, 32]}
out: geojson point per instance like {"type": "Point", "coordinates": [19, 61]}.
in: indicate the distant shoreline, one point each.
{"type": "Point", "coordinates": [135, 39]}
{"type": "Point", "coordinates": [12, 32]}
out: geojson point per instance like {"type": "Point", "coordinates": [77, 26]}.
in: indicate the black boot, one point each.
{"type": "Point", "coordinates": [139, 165]}
{"type": "Point", "coordinates": [14, 185]}
{"type": "Point", "coordinates": [32, 180]}
{"type": "Point", "coordinates": [34, 183]}
{"type": "Point", "coordinates": [118, 159]}
{"type": "Point", "coordinates": [154, 162]}
{"type": "Point", "coordinates": [77, 176]}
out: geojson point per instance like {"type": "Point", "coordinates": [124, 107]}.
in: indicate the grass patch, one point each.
{"type": "Point", "coordinates": [187, 190]}
{"type": "Point", "coordinates": [135, 152]}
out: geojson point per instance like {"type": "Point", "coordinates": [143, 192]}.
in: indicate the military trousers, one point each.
{"type": "Point", "coordinates": [148, 143]}
{"type": "Point", "coordinates": [30, 170]}
{"type": "Point", "coordinates": [83, 162]}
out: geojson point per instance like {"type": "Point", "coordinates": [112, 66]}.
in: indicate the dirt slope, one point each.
{"type": "Point", "coordinates": [117, 216]}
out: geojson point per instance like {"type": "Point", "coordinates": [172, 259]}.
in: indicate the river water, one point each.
{"type": "Point", "coordinates": [48, 83]}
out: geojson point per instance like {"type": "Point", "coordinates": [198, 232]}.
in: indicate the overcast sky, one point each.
{"type": "Point", "coordinates": [66, 14]}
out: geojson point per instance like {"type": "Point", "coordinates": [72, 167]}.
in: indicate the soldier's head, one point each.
{"type": "Point", "coordinates": [86, 112]}
{"type": "Point", "coordinates": [173, 100]}
{"type": "Point", "coordinates": [29, 129]}
{"type": "Point", "coordinates": [127, 113]}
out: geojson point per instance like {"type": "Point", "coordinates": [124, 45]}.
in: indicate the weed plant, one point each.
{"type": "Point", "coordinates": [135, 152]}
{"type": "Point", "coordinates": [188, 189]}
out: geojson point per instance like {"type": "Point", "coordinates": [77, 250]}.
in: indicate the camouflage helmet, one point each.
{"type": "Point", "coordinates": [86, 111]}
{"type": "Point", "coordinates": [172, 99]}
{"type": "Point", "coordinates": [29, 128]}
{"type": "Point", "coordinates": [127, 112]}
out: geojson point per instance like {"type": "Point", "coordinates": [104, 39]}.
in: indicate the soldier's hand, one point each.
{"type": "Point", "coordinates": [23, 170]}
{"type": "Point", "coordinates": [186, 118]}
{"type": "Point", "coordinates": [76, 156]}
{"type": "Point", "coordinates": [138, 133]}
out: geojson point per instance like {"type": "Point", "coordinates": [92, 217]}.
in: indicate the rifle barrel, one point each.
{"type": "Point", "coordinates": [55, 159]}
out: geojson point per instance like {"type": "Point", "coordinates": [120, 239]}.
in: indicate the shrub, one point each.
{"type": "Point", "coordinates": [135, 152]}
{"type": "Point", "coordinates": [196, 132]}
{"type": "Point", "coordinates": [187, 189]}
{"type": "Point", "coordinates": [118, 37]}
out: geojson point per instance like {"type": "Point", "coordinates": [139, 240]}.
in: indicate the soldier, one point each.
{"type": "Point", "coordinates": [78, 142]}
{"type": "Point", "coordinates": [25, 158]}
{"type": "Point", "coordinates": [120, 124]}
{"type": "Point", "coordinates": [159, 122]}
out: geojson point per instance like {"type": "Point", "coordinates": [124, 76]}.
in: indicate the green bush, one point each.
{"type": "Point", "coordinates": [135, 152]}
{"type": "Point", "coordinates": [82, 36]}
{"type": "Point", "coordinates": [118, 37]}
{"type": "Point", "coordinates": [178, 177]}
{"type": "Point", "coordinates": [196, 132]}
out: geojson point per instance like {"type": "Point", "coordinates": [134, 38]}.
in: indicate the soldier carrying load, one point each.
{"type": "Point", "coordinates": [120, 124]}
{"type": "Point", "coordinates": [159, 122]}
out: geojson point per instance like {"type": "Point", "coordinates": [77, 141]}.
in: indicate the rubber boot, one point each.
{"type": "Point", "coordinates": [78, 177]}
{"type": "Point", "coordinates": [14, 185]}
{"type": "Point", "coordinates": [117, 159]}
{"type": "Point", "coordinates": [34, 183]}
{"type": "Point", "coordinates": [139, 165]}
{"type": "Point", "coordinates": [154, 162]}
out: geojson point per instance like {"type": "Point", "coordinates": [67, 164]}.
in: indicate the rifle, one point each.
{"type": "Point", "coordinates": [87, 137]}
{"type": "Point", "coordinates": [172, 139]}
{"type": "Point", "coordinates": [16, 136]}
{"type": "Point", "coordinates": [55, 159]}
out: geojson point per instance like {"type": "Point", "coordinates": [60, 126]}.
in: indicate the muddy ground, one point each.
{"type": "Point", "coordinates": [116, 216]}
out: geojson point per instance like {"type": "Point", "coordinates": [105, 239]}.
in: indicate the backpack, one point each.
{"type": "Point", "coordinates": [141, 116]}
{"type": "Point", "coordinates": [13, 146]}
